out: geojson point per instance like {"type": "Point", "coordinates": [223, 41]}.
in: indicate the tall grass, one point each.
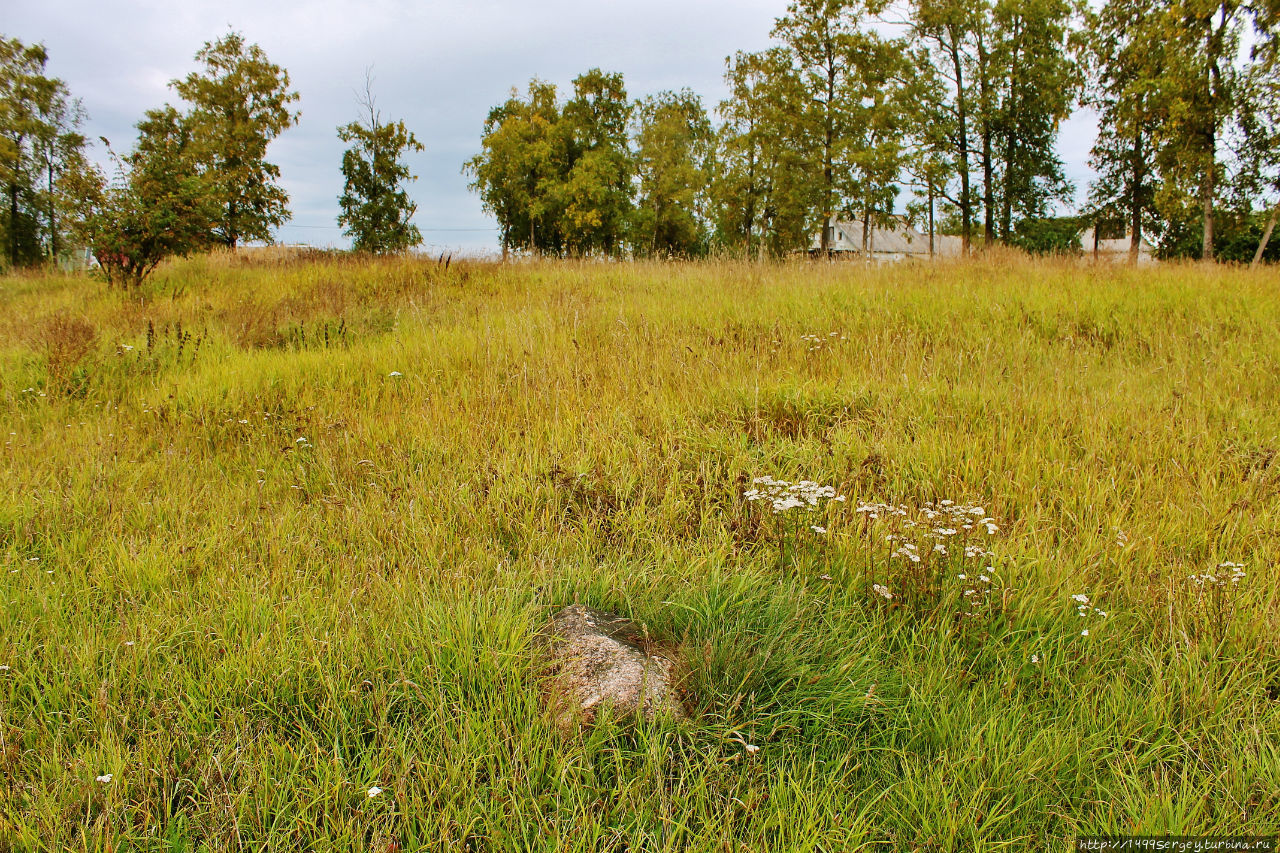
{"type": "Point", "coordinates": [280, 533]}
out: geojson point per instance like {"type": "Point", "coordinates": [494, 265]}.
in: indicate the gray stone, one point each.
{"type": "Point", "coordinates": [596, 659]}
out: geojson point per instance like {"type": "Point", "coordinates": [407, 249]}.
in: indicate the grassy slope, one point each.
{"type": "Point", "coordinates": [249, 631]}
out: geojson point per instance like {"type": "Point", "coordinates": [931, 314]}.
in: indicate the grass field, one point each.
{"type": "Point", "coordinates": [279, 533]}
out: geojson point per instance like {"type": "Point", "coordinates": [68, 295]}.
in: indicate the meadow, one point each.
{"type": "Point", "coordinates": [276, 533]}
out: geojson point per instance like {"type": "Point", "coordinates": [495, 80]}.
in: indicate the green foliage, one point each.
{"type": "Point", "coordinates": [842, 107]}
{"type": "Point", "coordinates": [1124, 52]}
{"type": "Point", "coordinates": [1058, 235]}
{"type": "Point", "coordinates": [1237, 236]}
{"type": "Point", "coordinates": [41, 156]}
{"type": "Point", "coordinates": [759, 191]}
{"type": "Point", "coordinates": [156, 205]}
{"type": "Point", "coordinates": [240, 102]}
{"type": "Point", "coordinates": [673, 163]}
{"type": "Point", "coordinates": [1195, 93]}
{"type": "Point", "coordinates": [376, 208]}
{"type": "Point", "coordinates": [519, 167]}
{"type": "Point", "coordinates": [1036, 84]}
{"type": "Point", "coordinates": [596, 188]}
{"type": "Point", "coordinates": [559, 179]}
{"type": "Point", "coordinates": [998, 80]}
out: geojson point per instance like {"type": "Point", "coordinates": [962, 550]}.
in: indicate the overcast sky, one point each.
{"type": "Point", "coordinates": [439, 64]}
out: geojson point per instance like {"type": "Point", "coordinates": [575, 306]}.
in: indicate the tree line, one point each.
{"type": "Point", "coordinates": [197, 176]}
{"type": "Point", "coordinates": [946, 111]}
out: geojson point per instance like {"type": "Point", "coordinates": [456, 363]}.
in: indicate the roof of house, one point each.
{"type": "Point", "coordinates": [900, 239]}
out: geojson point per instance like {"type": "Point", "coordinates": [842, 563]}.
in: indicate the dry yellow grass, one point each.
{"type": "Point", "coordinates": [280, 532]}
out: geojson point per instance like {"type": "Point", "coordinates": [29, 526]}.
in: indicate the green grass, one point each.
{"type": "Point", "coordinates": [248, 631]}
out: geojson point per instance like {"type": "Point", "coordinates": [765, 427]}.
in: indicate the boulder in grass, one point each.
{"type": "Point", "coordinates": [596, 660]}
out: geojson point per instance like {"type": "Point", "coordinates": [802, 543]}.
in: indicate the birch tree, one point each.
{"type": "Point", "coordinates": [376, 208]}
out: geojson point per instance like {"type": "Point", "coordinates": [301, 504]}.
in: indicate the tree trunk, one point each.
{"type": "Point", "coordinates": [13, 224]}
{"type": "Point", "coordinates": [1135, 201]}
{"type": "Point", "coordinates": [1213, 44]}
{"type": "Point", "coordinates": [1206, 203]}
{"type": "Point", "coordinates": [1010, 149]}
{"type": "Point", "coordinates": [232, 236]}
{"type": "Point", "coordinates": [988, 177]}
{"type": "Point", "coordinates": [827, 144]}
{"type": "Point", "coordinates": [1266, 237]}
{"type": "Point", "coordinates": [931, 219]}
{"type": "Point", "coordinates": [53, 230]}
{"type": "Point", "coordinates": [966, 202]}
{"type": "Point", "coordinates": [1006, 214]}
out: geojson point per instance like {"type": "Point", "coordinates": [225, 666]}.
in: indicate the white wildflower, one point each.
{"type": "Point", "coordinates": [374, 791]}
{"type": "Point", "coordinates": [105, 778]}
{"type": "Point", "coordinates": [882, 591]}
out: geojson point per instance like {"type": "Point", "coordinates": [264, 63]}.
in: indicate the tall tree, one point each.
{"type": "Point", "coordinates": [927, 131]}
{"type": "Point", "coordinates": [947, 29]}
{"type": "Point", "coordinates": [1039, 81]}
{"type": "Point", "coordinates": [1260, 121]}
{"type": "Point", "coordinates": [1125, 53]}
{"type": "Point", "coordinates": [376, 208]}
{"type": "Point", "coordinates": [823, 39]}
{"type": "Point", "coordinates": [518, 170]}
{"type": "Point", "coordinates": [596, 192]}
{"type": "Point", "coordinates": [39, 139]}
{"type": "Point", "coordinates": [240, 102]}
{"type": "Point", "coordinates": [1196, 96]}
{"type": "Point", "coordinates": [59, 150]}
{"type": "Point", "coordinates": [674, 144]}
{"type": "Point", "coordinates": [760, 186]}
{"type": "Point", "coordinates": [872, 150]}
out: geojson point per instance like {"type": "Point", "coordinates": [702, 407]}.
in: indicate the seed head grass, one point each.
{"type": "Point", "coordinates": [275, 540]}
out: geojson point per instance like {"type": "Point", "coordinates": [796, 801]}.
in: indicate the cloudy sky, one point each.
{"type": "Point", "coordinates": [438, 64]}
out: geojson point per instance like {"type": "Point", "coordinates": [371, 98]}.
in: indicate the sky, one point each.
{"type": "Point", "coordinates": [440, 65]}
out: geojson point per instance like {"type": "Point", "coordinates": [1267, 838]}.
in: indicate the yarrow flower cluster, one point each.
{"type": "Point", "coordinates": [977, 592]}
{"type": "Point", "coordinates": [1215, 600]}
{"type": "Point", "coordinates": [783, 496]}
{"type": "Point", "coordinates": [939, 523]}
{"type": "Point", "coordinates": [1227, 573]}
{"type": "Point", "coordinates": [1086, 610]}
{"type": "Point", "coordinates": [931, 545]}
{"type": "Point", "coordinates": [817, 342]}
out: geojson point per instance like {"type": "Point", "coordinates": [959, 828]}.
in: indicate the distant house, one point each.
{"type": "Point", "coordinates": [897, 242]}
{"type": "Point", "coordinates": [1115, 250]}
